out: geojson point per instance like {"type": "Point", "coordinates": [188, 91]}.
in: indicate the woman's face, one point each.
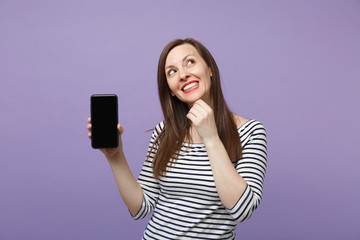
{"type": "Point", "coordinates": [188, 75]}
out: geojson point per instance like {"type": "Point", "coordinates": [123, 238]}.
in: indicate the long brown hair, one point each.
{"type": "Point", "coordinates": [177, 125]}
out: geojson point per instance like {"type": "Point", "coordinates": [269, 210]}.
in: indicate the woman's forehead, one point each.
{"type": "Point", "coordinates": [179, 52]}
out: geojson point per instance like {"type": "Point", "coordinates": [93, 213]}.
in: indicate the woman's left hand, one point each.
{"type": "Point", "coordinates": [202, 116]}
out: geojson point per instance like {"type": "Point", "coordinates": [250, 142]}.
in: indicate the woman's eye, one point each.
{"type": "Point", "coordinates": [189, 62]}
{"type": "Point", "coordinates": [171, 72]}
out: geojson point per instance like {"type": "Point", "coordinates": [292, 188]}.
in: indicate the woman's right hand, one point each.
{"type": "Point", "coordinates": [110, 153]}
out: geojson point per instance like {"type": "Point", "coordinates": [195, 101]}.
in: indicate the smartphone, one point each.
{"type": "Point", "coordinates": [104, 120]}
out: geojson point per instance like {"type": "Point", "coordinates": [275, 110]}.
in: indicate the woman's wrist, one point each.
{"type": "Point", "coordinates": [116, 158]}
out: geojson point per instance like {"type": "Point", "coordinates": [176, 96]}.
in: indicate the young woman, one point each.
{"type": "Point", "coordinates": [205, 166]}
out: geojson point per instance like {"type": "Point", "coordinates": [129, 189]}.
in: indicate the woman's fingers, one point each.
{"type": "Point", "coordinates": [191, 116]}
{"type": "Point", "coordinates": [196, 110]}
{"type": "Point", "coordinates": [203, 105]}
{"type": "Point", "coordinates": [120, 128]}
{"type": "Point", "coordinates": [89, 126]}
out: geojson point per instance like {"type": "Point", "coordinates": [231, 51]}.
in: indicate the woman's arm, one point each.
{"type": "Point", "coordinates": [239, 194]}
{"type": "Point", "coordinates": [128, 187]}
{"type": "Point", "coordinates": [229, 184]}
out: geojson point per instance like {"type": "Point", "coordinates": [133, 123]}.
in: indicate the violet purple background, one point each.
{"type": "Point", "coordinates": [293, 65]}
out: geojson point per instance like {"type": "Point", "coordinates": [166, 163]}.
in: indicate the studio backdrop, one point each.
{"type": "Point", "coordinates": [293, 65]}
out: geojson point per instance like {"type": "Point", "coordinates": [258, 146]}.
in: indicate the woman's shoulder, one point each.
{"type": "Point", "coordinates": [160, 125]}
{"type": "Point", "coordinates": [158, 129]}
{"type": "Point", "coordinates": [240, 120]}
{"type": "Point", "coordinates": [243, 123]}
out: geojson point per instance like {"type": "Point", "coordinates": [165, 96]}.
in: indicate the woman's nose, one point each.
{"type": "Point", "coordinates": [184, 74]}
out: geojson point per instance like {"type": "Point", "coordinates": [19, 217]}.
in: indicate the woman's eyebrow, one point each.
{"type": "Point", "coordinates": [171, 66]}
{"type": "Point", "coordinates": [182, 60]}
{"type": "Point", "coordinates": [187, 56]}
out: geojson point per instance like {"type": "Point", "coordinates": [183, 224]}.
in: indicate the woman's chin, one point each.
{"type": "Point", "coordinates": [191, 102]}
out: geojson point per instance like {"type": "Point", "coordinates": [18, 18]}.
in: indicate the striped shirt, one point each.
{"type": "Point", "coordinates": [185, 201]}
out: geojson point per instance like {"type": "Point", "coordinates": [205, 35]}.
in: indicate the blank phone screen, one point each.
{"type": "Point", "coordinates": [104, 120]}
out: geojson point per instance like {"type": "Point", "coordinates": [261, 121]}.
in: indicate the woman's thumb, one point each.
{"type": "Point", "coordinates": [120, 128]}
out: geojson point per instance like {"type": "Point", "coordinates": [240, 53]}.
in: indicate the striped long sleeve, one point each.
{"type": "Point", "coordinates": [252, 168]}
{"type": "Point", "coordinates": [148, 183]}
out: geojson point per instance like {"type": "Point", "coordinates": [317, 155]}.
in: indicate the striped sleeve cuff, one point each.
{"type": "Point", "coordinates": [142, 211]}
{"type": "Point", "coordinates": [243, 208]}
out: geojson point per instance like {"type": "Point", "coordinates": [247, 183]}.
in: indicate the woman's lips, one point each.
{"type": "Point", "coordinates": [190, 86]}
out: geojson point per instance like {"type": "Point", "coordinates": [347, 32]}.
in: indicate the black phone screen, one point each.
{"type": "Point", "coordinates": [104, 120]}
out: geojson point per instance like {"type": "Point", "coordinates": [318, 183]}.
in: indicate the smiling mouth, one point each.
{"type": "Point", "coordinates": [191, 86]}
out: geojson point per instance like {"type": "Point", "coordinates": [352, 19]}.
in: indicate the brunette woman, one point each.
{"type": "Point", "coordinates": [205, 167]}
